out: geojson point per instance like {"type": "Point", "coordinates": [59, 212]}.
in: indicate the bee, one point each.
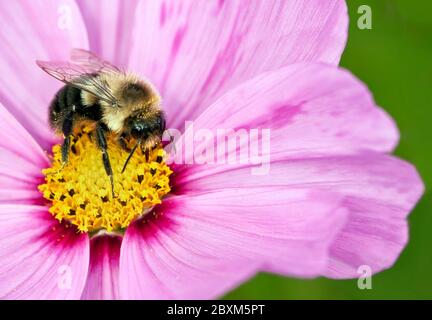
{"type": "Point", "coordinates": [115, 101]}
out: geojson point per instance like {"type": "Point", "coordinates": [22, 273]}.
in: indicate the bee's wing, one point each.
{"type": "Point", "coordinates": [81, 76]}
{"type": "Point", "coordinates": [91, 61]}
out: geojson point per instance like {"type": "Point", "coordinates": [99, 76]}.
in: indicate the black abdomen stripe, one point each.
{"type": "Point", "coordinates": [68, 100]}
{"type": "Point", "coordinates": [73, 97]}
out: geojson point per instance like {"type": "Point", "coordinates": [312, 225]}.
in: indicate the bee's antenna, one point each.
{"type": "Point", "coordinates": [130, 155]}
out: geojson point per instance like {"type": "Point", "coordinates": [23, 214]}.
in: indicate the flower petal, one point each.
{"type": "Point", "coordinates": [21, 161]}
{"type": "Point", "coordinates": [379, 191]}
{"type": "Point", "coordinates": [109, 26]}
{"type": "Point", "coordinates": [200, 246]}
{"type": "Point", "coordinates": [39, 258]}
{"type": "Point", "coordinates": [103, 281]}
{"type": "Point", "coordinates": [377, 230]}
{"type": "Point", "coordinates": [193, 51]}
{"type": "Point", "coordinates": [310, 110]}
{"type": "Point", "coordinates": [35, 30]}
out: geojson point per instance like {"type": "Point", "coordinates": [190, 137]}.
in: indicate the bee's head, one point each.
{"type": "Point", "coordinates": [141, 128]}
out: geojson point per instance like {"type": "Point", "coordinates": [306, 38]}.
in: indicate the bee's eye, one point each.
{"type": "Point", "coordinates": [142, 129]}
{"type": "Point", "coordinates": [139, 130]}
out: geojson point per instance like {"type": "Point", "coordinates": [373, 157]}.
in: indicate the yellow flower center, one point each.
{"type": "Point", "coordinates": [80, 191]}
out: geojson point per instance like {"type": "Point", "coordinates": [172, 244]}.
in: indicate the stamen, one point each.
{"type": "Point", "coordinates": [80, 191]}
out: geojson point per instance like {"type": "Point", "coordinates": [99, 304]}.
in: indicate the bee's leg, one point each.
{"type": "Point", "coordinates": [69, 100]}
{"type": "Point", "coordinates": [101, 142]}
{"type": "Point", "coordinates": [122, 142]}
{"type": "Point", "coordinates": [67, 131]}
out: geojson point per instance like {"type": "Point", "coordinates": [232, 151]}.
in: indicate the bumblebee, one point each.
{"type": "Point", "coordinates": [115, 101]}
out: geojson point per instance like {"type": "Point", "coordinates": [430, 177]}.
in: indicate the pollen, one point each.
{"type": "Point", "coordinates": [80, 190]}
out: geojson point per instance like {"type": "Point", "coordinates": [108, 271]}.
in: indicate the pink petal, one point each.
{"type": "Point", "coordinates": [39, 258]}
{"type": "Point", "coordinates": [377, 230]}
{"type": "Point", "coordinates": [35, 30]}
{"type": "Point", "coordinates": [194, 51]}
{"type": "Point", "coordinates": [109, 26]}
{"type": "Point", "coordinates": [200, 246]}
{"type": "Point", "coordinates": [379, 191]}
{"type": "Point", "coordinates": [102, 282]}
{"type": "Point", "coordinates": [21, 161]}
{"type": "Point", "coordinates": [311, 110]}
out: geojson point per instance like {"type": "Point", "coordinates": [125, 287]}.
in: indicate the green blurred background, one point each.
{"type": "Point", "coordinates": [394, 59]}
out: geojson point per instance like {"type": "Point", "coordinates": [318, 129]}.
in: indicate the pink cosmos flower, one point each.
{"type": "Point", "coordinates": [332, 201]}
